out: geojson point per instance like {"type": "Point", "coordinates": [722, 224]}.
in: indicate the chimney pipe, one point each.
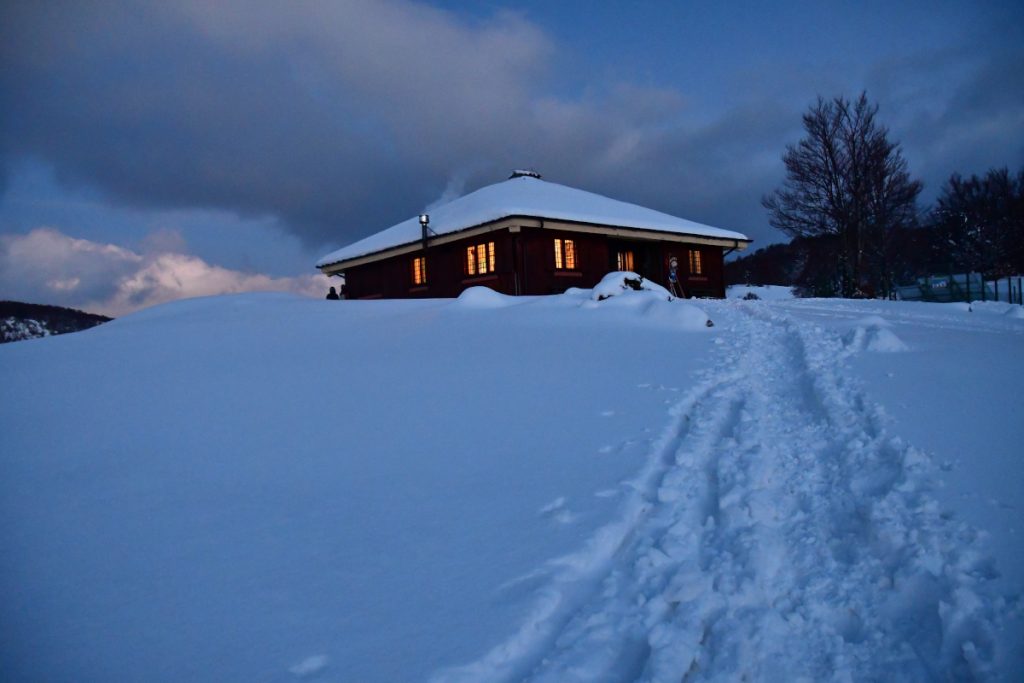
{"type": "Point", "coordinates": [424, 228]}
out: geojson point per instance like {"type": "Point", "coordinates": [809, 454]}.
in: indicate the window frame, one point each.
{"type": "Point", "coordinates": [418, 268]}
{"type": "Point", "coordinates": [625, 260]}
{"type": "Point", "coordinates": [696, 262]}
{"type": "Point", "coordinates": [567, 254]}
{"type": "Point", "coordinates": [480, 259]}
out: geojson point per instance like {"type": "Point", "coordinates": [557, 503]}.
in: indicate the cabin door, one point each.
{"type": "Point", "coordinates": [643, 258]}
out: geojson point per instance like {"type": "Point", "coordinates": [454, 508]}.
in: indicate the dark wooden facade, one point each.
{"type": "Point", "coordinates": [525, 261]}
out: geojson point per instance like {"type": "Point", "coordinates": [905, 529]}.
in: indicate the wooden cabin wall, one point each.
{"type": "Point", "coordinates": [710, 282]}
{"type": "Point", "coordinates": [539, 275]}
{"type": "Point", "coordinates": [525, 264]}
{"type": "Point", "coordinates": [391, 278]}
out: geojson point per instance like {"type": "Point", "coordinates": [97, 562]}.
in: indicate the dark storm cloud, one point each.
{"type": "Point", "coordinates": [315, 117]}
{"type": "Point", "coordinates": [341, 118]}
{"type": "Point", "coordinates": [954, 110]}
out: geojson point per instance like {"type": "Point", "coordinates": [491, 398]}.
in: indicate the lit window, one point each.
{"type": "Point", "coordinates": [695, 268]}
{"type": "Point", "coordinates": [480, 259]}
{"type": "Point", "coordinates": [625, 260]}
{"type": "Point", "coordinates": [419, 270]}
{"type": "Point", "coordinates": [565, 254]}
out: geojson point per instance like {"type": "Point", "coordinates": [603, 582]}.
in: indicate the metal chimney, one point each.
{"type": "Point", "coordinates": [524, 173]}
{"type": "Point", "coordinates": [424, 227]}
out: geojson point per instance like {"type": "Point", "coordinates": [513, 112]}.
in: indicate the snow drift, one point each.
{"type": "Point", "coordinates": [261, 487]}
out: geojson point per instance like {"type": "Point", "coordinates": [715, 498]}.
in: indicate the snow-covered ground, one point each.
{"type": "Point", "coordinates": [766, 292]}
{"type": "Point", "coordinates": [262, 487]}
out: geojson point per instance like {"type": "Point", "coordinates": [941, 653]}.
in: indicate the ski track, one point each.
{"type": "Point", "coordinates": [943, 320]}
{"type": "Point", "coordinates": [778, 533]}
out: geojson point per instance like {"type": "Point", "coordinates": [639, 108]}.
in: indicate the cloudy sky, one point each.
{"type": "Point", "coordinates": [150, 151]}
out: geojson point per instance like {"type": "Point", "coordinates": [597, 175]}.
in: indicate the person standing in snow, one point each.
{"type": "Point", "coordinates": [673, 277]}
{"type": "Point", "coordinates": [333, 295]}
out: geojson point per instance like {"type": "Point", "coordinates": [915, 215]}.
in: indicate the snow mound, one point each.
{"type": "Point", "coordinates": [622, 281]}
{"type": "Point", "coordinates": [987, 308]}
{"type": "Point", "coordinates": [872, 333]}
{"type": "Point", "coordinates": [643, 300]}
{"type": "Point", "coordinates": [310, 666]}
{"type": "Point", "coordinates": [997, 308]}
{"type": "Point", "coordinates": [483, 297]}
{"type": "Point", "coordinates": [650, 307]}
{"type": "Point", "coordinates": [885, 341]}
{"type": "Point", "coordinates": [766, 292]}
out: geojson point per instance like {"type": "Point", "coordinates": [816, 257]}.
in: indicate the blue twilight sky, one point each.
{"type": "Point", "coordinates": [155, 150]}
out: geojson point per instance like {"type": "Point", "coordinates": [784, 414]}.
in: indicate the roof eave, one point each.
{"type": "Point", "coordinates": [539, 222]}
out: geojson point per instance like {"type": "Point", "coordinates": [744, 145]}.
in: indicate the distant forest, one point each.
{"type": "Point", "coordinates": [20, 320]}
{"type": "Point", "coordinates": [976, 226]}
{"type": "Point", "coordinates": [849, 204]}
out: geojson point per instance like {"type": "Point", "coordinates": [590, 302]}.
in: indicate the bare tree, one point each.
{"type": "Point", "coordinates": [845, 179]}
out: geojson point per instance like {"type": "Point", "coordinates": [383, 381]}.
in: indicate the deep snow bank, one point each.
{"type": "Point", "coordinates": [263, 487]}
{"type": "Point", "coordinates": [257, 486]}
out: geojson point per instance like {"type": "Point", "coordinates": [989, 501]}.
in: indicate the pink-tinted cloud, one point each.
{"type": "Point", "coordinates": [109, 279]}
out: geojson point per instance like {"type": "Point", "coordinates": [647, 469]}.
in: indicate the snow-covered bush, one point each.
{"type": "Point", "coordinates": [639, 299]}
{"type": "Point", "coordinates": [617, 282]}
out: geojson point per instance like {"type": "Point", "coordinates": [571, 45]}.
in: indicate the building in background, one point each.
{"type": "Point", "coordinates": [529, 236]}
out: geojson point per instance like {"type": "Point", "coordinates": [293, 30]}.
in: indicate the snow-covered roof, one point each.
{"type": "Point", "coordinates": [526, 195]}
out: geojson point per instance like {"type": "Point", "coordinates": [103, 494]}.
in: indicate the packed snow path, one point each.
{"type": "Point", "coordinates": [778, 533]}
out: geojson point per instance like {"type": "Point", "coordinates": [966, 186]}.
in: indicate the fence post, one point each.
{"type": "Point", "coordinates": [983, 287]}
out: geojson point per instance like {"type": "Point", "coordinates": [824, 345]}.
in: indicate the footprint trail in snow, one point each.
{"type": "Point", "coordinates": [777, 533]}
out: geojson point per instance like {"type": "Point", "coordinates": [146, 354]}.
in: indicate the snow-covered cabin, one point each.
{"type": "Point", "coordinates": [529, 236]}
